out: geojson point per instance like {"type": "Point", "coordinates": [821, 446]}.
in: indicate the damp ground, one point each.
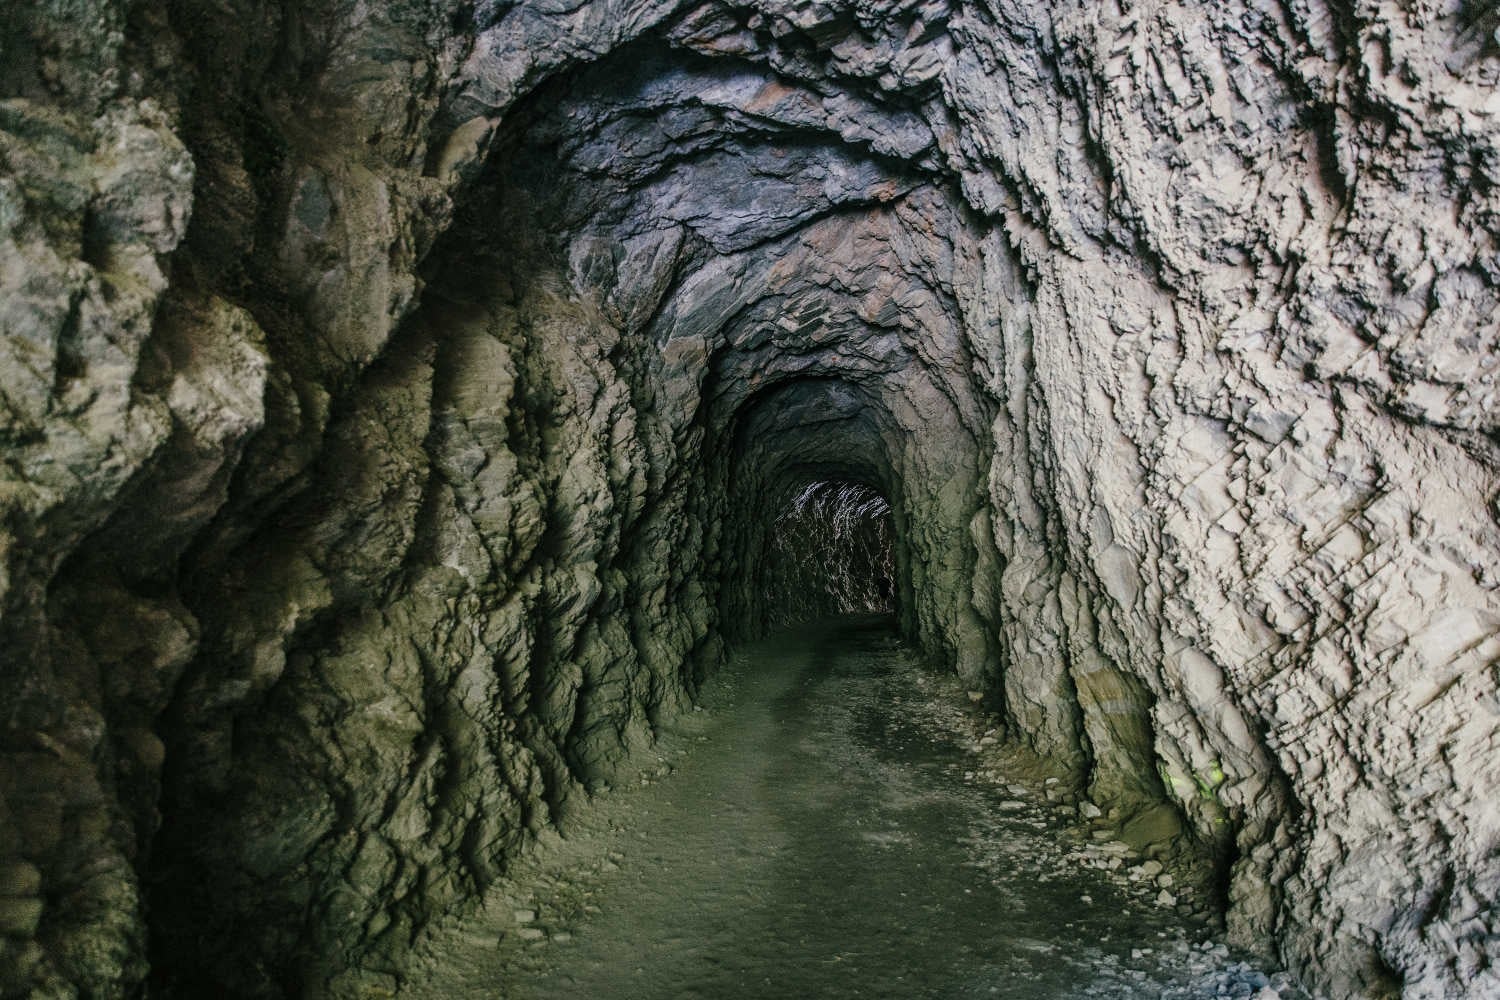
{"type": "Point", "coordinates": [833, 823]}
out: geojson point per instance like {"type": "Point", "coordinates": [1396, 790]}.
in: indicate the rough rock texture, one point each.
{"type": "Point", "coordinates": [394, 399]}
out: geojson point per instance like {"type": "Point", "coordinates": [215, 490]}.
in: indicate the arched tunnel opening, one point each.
{"type": "Point", "coordinates": [831, 552]}
{"type": "Point", "coordinates": [922, 467]}
{"type": "Point", "coordinates": [809, 458]}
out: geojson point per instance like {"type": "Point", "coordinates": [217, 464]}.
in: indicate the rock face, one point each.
{"type": "Point", "coordinates": [396, 400]}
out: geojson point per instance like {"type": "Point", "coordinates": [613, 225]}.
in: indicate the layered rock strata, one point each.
{"type": "Point", "coordinates": [393, 397]}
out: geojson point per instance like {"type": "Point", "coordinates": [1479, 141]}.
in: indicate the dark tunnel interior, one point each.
{"type": "Point", "coordinates": [412, 414]}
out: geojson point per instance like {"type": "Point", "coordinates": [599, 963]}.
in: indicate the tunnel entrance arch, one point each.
{"type": "Point", "coordinates": [815, 502]}
{"type": "Point", "coordinates": [830, 552]}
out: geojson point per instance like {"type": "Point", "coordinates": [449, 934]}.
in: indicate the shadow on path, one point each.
{"type": "Point", "coordinates": [821, 837]}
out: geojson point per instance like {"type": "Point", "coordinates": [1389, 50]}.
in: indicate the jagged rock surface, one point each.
{"type": "Point", "coordinates": [393, 397]}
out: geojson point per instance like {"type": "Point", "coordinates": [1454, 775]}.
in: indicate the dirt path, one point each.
{"type": "Point", "coordinates": [825, 835]}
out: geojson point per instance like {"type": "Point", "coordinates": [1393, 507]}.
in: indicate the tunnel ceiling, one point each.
{"type": "Point", "coordinates": [729, 195]}
{"type": "Point", "coordinates": [395, 399]}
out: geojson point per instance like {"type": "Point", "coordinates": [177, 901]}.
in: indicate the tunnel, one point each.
{"type": "Point", "coordinates": [412, 413]}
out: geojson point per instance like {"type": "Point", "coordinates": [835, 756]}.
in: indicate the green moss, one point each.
{"type": "Point", "coordinates": [1206, 783]}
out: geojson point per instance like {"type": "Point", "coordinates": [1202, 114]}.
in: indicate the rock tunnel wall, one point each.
{"type": "Point", "coordinates": [393, 395]}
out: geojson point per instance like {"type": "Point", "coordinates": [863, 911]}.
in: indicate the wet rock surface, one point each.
{"type": "Point", "coordinates": [830, 827]}
{"type": "Point", "coordinates": [396, 401]}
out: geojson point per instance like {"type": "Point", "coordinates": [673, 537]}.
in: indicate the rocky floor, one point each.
{"type": "Point", "coordinates": [834, 822]}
